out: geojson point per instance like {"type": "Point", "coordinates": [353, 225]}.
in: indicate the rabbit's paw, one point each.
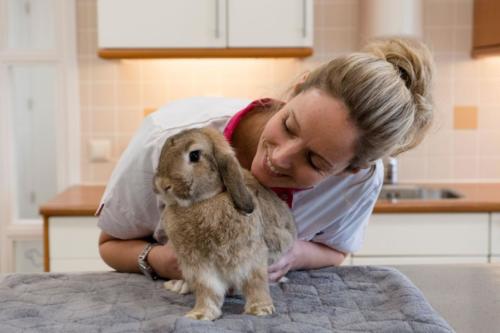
{"type": "Point", "coordinates": [177, 286]}
{"type": "Point", "coordinates": [203, 314]}
{"type": "Point", "coordinates": [259, 309]}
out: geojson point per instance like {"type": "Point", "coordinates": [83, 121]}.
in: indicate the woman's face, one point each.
{"type": "Point", "coordinates": [310, 138]}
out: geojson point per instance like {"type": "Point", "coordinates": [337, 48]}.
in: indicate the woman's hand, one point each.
{"type": "Point", "coordinates": [286, 263]}
{"type": "Point", "coordinates": [163, 259]}
{"type": "Point", "coordinates": [305, 255]}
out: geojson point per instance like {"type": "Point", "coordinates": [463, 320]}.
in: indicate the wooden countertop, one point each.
{"type": "Point", "coordinates": [78, 200]}
{"type": "Point", "coordinates": [477, 197]}
{"type": "Point", "coordinates": [84, 200]}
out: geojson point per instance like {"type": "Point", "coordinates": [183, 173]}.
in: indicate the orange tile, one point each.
{"type": "Point", "coordinates": [465, 117]}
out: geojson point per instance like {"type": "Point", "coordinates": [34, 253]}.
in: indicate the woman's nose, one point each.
{"type": "Point", "coordinates": [284, 154]}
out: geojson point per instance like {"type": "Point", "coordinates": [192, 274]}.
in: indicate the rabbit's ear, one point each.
{"type": "Point", "coordinates": [230, 171]}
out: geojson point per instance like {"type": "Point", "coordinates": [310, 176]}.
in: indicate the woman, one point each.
{"type": "Point", "coordinates": [320, 151]}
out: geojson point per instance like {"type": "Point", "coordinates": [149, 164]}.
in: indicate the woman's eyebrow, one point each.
{"type": "Point", "coordinates": [297, 125]}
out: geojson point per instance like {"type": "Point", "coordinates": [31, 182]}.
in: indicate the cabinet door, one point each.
{"type": "Point", "coordinates": [460, 234]}
{"type": "Point", "coordinates": [73, 243]}
{"type": "Point", "coordinates": [34, 99]}
{"type": "Point", "coordinates": [495, 234]}
{"type": "Point", "coordinates": [31, 25]}
{"type": "Point", "coordinates": [486, 23]}
{"type": "Point", "coordinates": [265, 23]}
{"type": "Point", "coordinates": [161, 23]}
{"type": "Point", "coordinates": [430, 260]}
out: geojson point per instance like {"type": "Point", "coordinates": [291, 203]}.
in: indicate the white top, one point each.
{"type": "Point", "coordinates": [334, 213]}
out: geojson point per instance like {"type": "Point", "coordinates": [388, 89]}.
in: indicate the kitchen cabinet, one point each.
{"type": "Point", "coordinates": [32, 26]}
{"type": "Point", "coordinates": [161, 23]}
{"type": "Point", "coordinates": [495, 237]}
{"type": "Point", "coordinates": [39, 120]}
{"type": "Point", "coordinates": [73, 244]}
{"type": "Point", "coordinates": [70, 232]}
{"type": "Point", "coordinates": [486, 36]}
{"type": "Point", "coordinates": [408, 238]}
{"type": "Point", "coordinates": [201, 28]}
{"type": "Point", "coordinates": [265, 23]}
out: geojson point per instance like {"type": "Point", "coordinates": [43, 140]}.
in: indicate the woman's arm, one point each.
{"type": "Point", "coordinates": [122, 255]}
{"type": "Point", "coordinates": [305, 255]}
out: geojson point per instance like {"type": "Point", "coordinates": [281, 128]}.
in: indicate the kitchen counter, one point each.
{"type": "Point", "coordinates": [78, 200]}
{"type": "Point", "coordinates": [466, 296]}
{"type": "Point", "coordinates": [84, 201]}
{"type": "Point", "coordinates": [477, 197]}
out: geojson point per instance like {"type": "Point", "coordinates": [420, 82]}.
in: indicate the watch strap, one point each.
{"type": "Point", "coordinates": [143, 264]}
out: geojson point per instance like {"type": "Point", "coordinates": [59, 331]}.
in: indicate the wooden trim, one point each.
{"type": "Point", "coordinates": [66, 212]}
{"type": "Point", "coordinates": [299, 52]}
{"type": "Point", "coordinates": [46, 249]}
{"type": "Point", "coordinates": [492, 50]}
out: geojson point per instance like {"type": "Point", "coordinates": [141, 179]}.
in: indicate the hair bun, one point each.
{"type": "Point", "coordinates": [414, 64]}
{"type": "Point", "coordinates": [411, 58]}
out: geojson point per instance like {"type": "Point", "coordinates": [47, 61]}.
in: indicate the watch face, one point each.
{"type": "Point", "coordinates": [147, 270]}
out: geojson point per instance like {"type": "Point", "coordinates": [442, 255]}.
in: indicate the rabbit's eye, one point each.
{"type": "Point", "coordinates": [194, 156]}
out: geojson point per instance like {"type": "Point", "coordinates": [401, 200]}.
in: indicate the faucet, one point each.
{"type": "Point", "coordinates": [390, 170]}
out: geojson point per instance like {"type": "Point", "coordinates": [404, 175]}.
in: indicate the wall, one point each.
{"type": "Point", "coordinates": [114, 93]}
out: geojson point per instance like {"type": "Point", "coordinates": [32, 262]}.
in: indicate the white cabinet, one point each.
{"type": "Point", "coordinates": [161, 23]}
{"type": "Point", "coordinates": [31, 24]}
{"type": "Point", "coordinates": [425, 238]}
{"type": "Point", "coordinates": [270, 23]}
{"type": "Point", "coordinates": [495, 237]}
{"type": "Point", "coordinates": [165, 27]}
{"type": "Point", "coordinates": [34, 100]}
{"type": "Point", "coordinates": [73, 245]}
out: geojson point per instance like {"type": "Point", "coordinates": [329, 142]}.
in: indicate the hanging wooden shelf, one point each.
{"type": "Point", "coordinates": [300, 52]}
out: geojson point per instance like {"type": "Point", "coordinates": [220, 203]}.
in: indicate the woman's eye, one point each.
{"type": "Point", "coordinates": [194, 156]}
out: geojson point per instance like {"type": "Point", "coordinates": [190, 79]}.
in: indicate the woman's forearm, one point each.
{"type": "Point", "coordinates": [122, 255]}
{"type": "Point", "coordinates": [311, 255]}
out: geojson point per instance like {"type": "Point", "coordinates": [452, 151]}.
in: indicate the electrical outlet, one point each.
{"type": "Point", "coordinates": [100, 150]}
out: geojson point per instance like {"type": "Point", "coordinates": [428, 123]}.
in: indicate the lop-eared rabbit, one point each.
{"type": "Point", "coordinates": [225, 227]}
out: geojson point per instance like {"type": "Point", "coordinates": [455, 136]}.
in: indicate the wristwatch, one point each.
{"type": "Point", "coordinates": [143, 264]}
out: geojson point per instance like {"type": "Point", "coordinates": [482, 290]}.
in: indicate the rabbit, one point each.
{"type": "Point", "coordinates": [225, 227]}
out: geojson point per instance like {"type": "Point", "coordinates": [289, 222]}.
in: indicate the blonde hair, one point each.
{"type": "Point", "coordinates": [387, 91]}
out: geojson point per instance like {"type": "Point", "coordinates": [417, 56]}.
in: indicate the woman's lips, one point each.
{"type": "Point", "coordinates": [270, 168]}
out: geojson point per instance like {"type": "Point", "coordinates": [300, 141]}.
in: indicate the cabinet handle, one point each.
{"type": "Point", "coordinates": [217, 32]}
{"type": "Point", "coordinates": [304, 18]}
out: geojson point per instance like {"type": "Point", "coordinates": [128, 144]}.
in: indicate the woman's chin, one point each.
{"type": "Point", "coordinates": [262, 177]}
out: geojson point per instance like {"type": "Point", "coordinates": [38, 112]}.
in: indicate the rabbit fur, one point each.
{"type": "Point", "coordinates": [225, 227]}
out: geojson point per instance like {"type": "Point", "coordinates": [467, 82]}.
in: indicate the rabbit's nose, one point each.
{"type": "Point", "coordinates": [166, 188]}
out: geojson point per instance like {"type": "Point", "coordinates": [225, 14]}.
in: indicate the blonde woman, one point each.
{"type": "Point", "coordinates": [320, 150]}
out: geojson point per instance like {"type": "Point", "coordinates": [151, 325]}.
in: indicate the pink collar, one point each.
{"type": "Point", "coordinates": [285, 194]}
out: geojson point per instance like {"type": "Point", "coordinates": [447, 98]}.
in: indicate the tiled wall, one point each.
{"type": "Point", "coordinates": [114, 93]}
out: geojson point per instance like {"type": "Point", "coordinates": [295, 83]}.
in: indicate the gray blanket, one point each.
{"type": "Point", "coordinates": [340, 299]}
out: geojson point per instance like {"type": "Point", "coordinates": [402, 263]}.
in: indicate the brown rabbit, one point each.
{"type": "Point", "coordinates": [224, 226]}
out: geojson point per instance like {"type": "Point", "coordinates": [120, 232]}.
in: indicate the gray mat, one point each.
{"type": "Point", "coordinates": [334, 299]}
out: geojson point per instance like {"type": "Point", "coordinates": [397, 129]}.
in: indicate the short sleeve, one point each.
{"type": "Point", "coordinates": [346, 234]}
{"type": "Point", "coordinates": [336, 212]}
{"type": "Point", "coordinates": [129, 207]}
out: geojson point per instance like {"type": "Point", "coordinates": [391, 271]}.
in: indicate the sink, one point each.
{"type": "Point", "coordinates": [415, 192]}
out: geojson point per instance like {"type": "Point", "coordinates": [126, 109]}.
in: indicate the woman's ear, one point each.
{"type": "Point", "coordinates": [297, 88]}
{"type": "Point", "coordinates": [354, 170]}
{"type": "Point", "coordinates": [349, 171]}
